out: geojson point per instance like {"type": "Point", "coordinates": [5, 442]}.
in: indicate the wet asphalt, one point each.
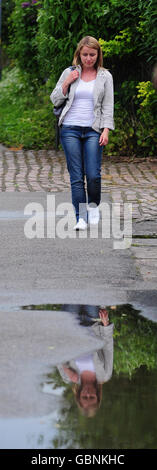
{"type": "Point", "coordinates": [84, 270]}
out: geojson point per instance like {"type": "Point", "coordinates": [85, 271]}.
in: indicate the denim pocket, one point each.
{"type": "Point", "coordinates": [63, 129]}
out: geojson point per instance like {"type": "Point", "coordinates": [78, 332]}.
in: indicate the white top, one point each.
{"type": "Point", "coordinates": [85, 362]}
{"type": "Point", "coordinates": [81, 112]}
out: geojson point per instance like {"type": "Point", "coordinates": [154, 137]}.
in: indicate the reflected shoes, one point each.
{"type": "Point", "coordinates": [93, 215]}
{"type": "Point", "coordinates": [81, 225]}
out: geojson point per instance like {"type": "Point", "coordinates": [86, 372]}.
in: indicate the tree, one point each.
{"type": "Point", "coordinates": [23, 29]}
{"type": "Point", "coordinates": [61, 26]}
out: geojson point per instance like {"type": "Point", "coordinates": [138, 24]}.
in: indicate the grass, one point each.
{"type": "Point", "coordinates": [26, 113]}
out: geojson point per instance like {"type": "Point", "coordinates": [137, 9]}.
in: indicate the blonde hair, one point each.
{"type": "Point", "coordinates": [91, 411]}
{"type": "Point", "coordinates": [88, 41]}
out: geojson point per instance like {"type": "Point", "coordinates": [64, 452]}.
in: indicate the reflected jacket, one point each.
{"type": "Point", "coordinates": [102, 358]}
{"type": "Point", "coordinates": [102, 95]}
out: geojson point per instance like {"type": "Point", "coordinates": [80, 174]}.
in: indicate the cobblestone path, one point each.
{"type": "Point", "coordinates": [134, 182]}
{"type": "Point", "coordinates": [125, 181]}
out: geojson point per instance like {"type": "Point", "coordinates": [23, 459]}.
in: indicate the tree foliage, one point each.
{"type": "Point", "coordinates": [43, 38]}
{"type": "Point", "coordinates": [23, 30]}
{"type": "Point", "coordinates": [60, 29]}
{"type": "Point", "coordinates": [7, 8]}
{"type": "Point", "coordinates": [128, 399]}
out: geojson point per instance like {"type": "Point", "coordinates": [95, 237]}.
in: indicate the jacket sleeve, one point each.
{"type": "Point", "coordinates": [64, 375]}
{"type": "Point", "coordinates": [105, 354]}
{"type": "Point", "coordinates": [57, 97]}
{"type": "Point", "coordinates": [108, 104]}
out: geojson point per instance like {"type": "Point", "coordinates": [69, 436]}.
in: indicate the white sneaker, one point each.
{"type": "Point", "coordinates": [93, 215]}
{"type": "Point", "coordinates": [81, 225]}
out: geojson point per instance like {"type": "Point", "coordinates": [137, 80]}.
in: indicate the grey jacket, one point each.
{"type": "Point", "coordinates": [103, 98]}
{"type": "Point", "coordinates": [103, 358]}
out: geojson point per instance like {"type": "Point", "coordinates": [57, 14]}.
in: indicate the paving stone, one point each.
{"type": "Point", "coordinates": [46, 171]}
{"type": "Point", "coordinates": [133, 182]}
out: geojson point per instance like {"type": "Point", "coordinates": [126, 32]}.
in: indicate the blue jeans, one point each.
{"type": "Point", "coordinates": [83, 155]}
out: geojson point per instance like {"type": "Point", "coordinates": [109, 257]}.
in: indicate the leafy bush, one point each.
{"type": "Point", "coordinates": [23, 29]}
{"type": "Point", "coordinates": [134, 336]}
{"type": "Point", "coordinates": [120, 45]}
{"type": "Point", "coordinates": [43, 37]}
{"type": "Point", "coordinates": [135, 121]}
{"type": "Point", "coordinates": [140, 16]}
{"type": "Point", "coordinates": [147, 118]}
{"type": "Point", "coordinates": [60, 29]}
{"type": "Point", "coordinates": [44, 33]}
{"type": "Point", "coordinates": [121, 141]}
{"type": "Point", "coordinates": [26, 117]}
{"type": "Point", "coordinates": [7, 8]}
{"type": "Point", "coordinates": [147, 28]}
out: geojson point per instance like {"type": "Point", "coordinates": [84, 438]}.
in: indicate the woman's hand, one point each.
{"type": "Point", "coordinates": [73, 376]}
{"type": "Point", "coordinates": [103, 314]}
{"type": "Point", "coordinates": [104, 137]}
{"type": "Point", "coordinates": [73, 75]}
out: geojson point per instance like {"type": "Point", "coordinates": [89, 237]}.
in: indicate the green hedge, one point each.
{"type": "Point", "coordinates": [26, 116]}
{"type": "Point", "coordinates": [43, 37]}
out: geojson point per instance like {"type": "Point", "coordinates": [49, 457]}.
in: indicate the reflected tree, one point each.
{"type": "Point", "coordinates": [127, 416]}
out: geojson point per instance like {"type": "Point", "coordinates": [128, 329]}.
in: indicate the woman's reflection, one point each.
{"type": "Point", "coordinates": [90, 371]}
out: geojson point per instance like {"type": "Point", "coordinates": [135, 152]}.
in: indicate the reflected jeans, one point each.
{"type": "Point", "coordinates": [83, 155]}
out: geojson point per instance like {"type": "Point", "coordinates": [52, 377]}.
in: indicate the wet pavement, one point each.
{"type": "Point", "coordinates": [126, 181]}
{"type": "Point", "coordinates": [94, 389]}
{"type": "Point", "coordinates": [51, 292]}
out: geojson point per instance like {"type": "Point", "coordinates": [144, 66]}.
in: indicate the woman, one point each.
{"type": "Point", "coordinates": [85, 120]}
{"type": "Point", "coordinates": [89, 372]}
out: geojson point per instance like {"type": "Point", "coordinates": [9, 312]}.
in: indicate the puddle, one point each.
{"type": "Point", "coordinates": [86, 313]}
{"type": "Point", "coordinates": [124, 418]}
{"type": "Point", "coordinates": [100, 399]}
{"type": "Point", "coordinates": [89, 313]}
{"type": "Point", "coordinates": [118, 409]}
{"type": "Point", "coordinates": [145, 237]}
